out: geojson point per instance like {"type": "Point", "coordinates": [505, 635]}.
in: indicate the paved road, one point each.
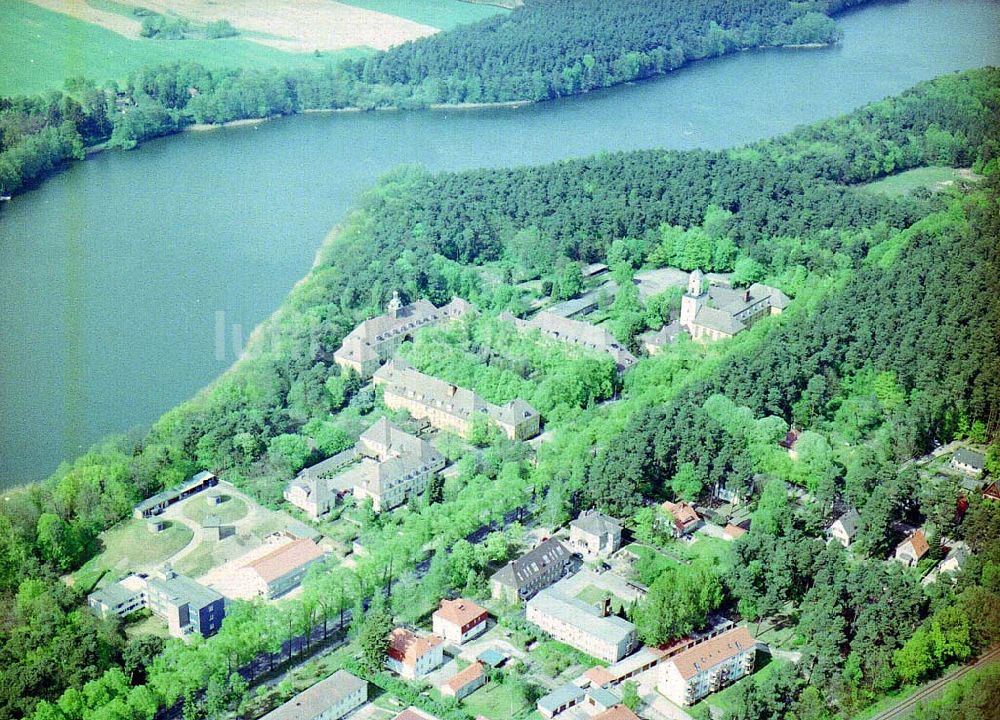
{"type": "Point", "coordinates": [933, 689]}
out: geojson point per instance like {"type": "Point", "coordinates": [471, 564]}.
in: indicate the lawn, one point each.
{"type": "Point", "coordinates": [131, 546]}
{"type": "Point", "coordinates": [233, 509]}
{"type": "Point", "coordinates": [724, 700]}
{"type": "Point", "coordinates": [39, 49]}
{"type": "Point", "coordinates": [442, 14]}
{"type": "Point", "coordinates": [932, 178]}
{"type": "Point", "coordinates": [497, 701]}
{"type": "Point", "coordinates": [708, 549]}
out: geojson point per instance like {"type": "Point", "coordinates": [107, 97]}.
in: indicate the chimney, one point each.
{"type": "Point", "coordinates": [746, 295]}
{"type": "Point", "coordinates": [605, 607]}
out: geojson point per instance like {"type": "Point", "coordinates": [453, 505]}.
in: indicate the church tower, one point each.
{"type": "Point", "coordinates": [395, 305]}
{"type": "Point", "coordinates": [692, 299]}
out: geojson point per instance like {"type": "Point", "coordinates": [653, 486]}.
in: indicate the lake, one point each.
{"type": "Point", "coordinates": [118, 276]}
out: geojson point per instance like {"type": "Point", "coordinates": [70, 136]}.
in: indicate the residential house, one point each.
{"type": "Point", "coordinates": [721, 312]}
{"type": "Point", "coordinates": [559, 700]}
{"type": "Point", "coordinates": [595, 534]}
{"type": "Point", "coordinates": [449, 407]}
{"type": "Point", "coordinates": [576, 332]}
{"type": "Point", "coordinates": [283, 569]}
{"type": "Point", "coordinates": [465, 682]}
{"type": "Point", "coordinates": [520, 579]}
{"type": "Point", "coordinates": [414, 713]}
{"type": "Point", "coordinates": [968, 461]}
{"type": "Point", "coordinates": [460, 620]}
{"type": "Point", "coordinates": [592, 630]}
{"type": "Point", "coordinates": [955, 560]}
{"type": "Point", "coordinates": [313, 490]}
{"type": "Point", "coordinates": [685, 518]}
{"type": "Point", "coordinates": [329, 699]}
{"type": "Point", "coordinates": [912, 549]}
{"type": "Point", "coordinates": [186, 605]}
{"type": "Point", "coordinates": [845, 527]}
{"type": "Point", "coordinates": [412, 656]}
{"type": "Point", "coordinates": [375, 340]}
{"type": "Point", "coordinates": [992, 492]}
{"type": "Point", "coordinates": [161, 501]}
{"type": "Point", "coordinates": [788, 443]}
{"type": "Point", "coordinates": [707, 667]}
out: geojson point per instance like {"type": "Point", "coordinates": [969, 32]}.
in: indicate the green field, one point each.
{"type": "Point", "coordinates": [933, 178]}
{"type": "Point", "coordinates": [442, 14]}
{"type": "Point", "coordinates": [230, 511]}
{"type": "Point", "coordinates": [39, 49]}
{"type": "Point", "coordinates": [131, 546]}
{"type": "Point", "coordinates": [724, 700]}
{"type": "Point", "coordinates": [592, 595]}
{"type": "Point", "coordinates": [496, 701]}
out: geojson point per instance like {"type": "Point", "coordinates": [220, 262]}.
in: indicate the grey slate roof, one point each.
{"type": "Point", "coordinates": [583, 616]}
{"type": "Point", "coordinates": [520, 572]}
{"type": "Point", "coordinates": [594, 522]}
{"type": "Point", "coordinates": [849, 521]}
{"type": "Point", "coordinates": [181, 589]}
{"type": "Point", "coordinates": [313, 701]}
{"type": "Point", "coordinates": [970, 458]}
{"type": "Point", "coordinates": [563, 695]}
{"type": "Point", "coordinates": [576, 332]}
{"type": "Point", "coordinates": [112, 594]}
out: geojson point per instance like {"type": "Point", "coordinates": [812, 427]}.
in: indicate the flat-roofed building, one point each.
{"type": "Point", "coordinates": [591, 630]}
{"type": "Point", "coordinates": [283, 569]}
{"type": "Point", "coordinates": [708, 666]}
{"type": "Point", "coordinates": [559, 700]}
{"type": "Point", "coordinates": [413, 656]}
{"type": "Point", "coordinates": [186, 605]}
{"type": "Point", "coordinates": [329, 699]}
{"type": "Point", "coordinates": [449, 407]}
{"type": "Point", "coordinates": [520, 579]}
{"type": "Point", "coordinates": [459, 620]}
{"type": "Point", "coordinates": [161, 501]}
{"type": "Point", "coordinates": [375, 340]}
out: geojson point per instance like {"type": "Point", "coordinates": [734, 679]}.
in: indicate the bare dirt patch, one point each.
{"type": "Point", "coordinates": [82, 11]}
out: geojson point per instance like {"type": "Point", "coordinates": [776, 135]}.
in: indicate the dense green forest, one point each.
{"type": "Point", "coordinates": [541, 50]}
{"type": "Point", "coordinates": [889, 348]}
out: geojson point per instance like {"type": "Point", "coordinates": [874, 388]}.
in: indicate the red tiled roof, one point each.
{"type": "Point", "coordinates": [285, 559]}
{"type": "Point", "coordinates": [992, 492]}
{"type": "Point", "coordinates": [918, 541]}
{"type": "Point", "coordinates": [599, 676]}
{"type": "Point", "coordinates": [618, 712]}
{"type": "Point", "coordinates": [407, 648]}
{"type": "Point", "coordinates": [683, 513]}
{"type": "Point", "coordinates": [461, 612]}
{"type": "Point", "coordinates": [710, 653]}
{"type": "Point", "coordinates": [463, 678]}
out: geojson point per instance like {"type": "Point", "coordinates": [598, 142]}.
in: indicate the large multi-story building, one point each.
{"type": "Point", "coordinates": [449, 407]}
{"type": "Point", "coordinates": [283, 569]}
{"type": "Point", "coordinates": [186, 605]}
{"type": "Point", "coordinates": [576, 332]}
{"type": "Point", "coordinates": [330, 699]}
{"type": "Point", "coordinates": [721, 312]}
{"type": "Point", "coordinates": [520, 579]}
{"type": "Point", "coordinates": [374, 341]}
{"type": "Point", "coordinates": [386, 465]}
{"type": "Point", "coordinates": [708, 666]}
{"type": "Point", "coordinates": [592, 630]}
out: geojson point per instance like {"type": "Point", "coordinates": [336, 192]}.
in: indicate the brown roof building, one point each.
{"type": "Point", "coordinates": [708, 666]}
{"type": "Point", "coordinates": [413, 656]}
{"type": "Point", "coordinates": [912, 549]}
{"type": "Point", "coordinates": [576, 332]}
{"type": "Point", "coordinates": [618, 712]}
{"type": "Point", "coordinates": [459, 620]}
{"type": "Point", "coordinates": [282, 569]}
{"type": "Point", "coordinates": [329, 699]}
{"type": "Point", "coordinates": [685, 517]}
{"type": "Point", "coordinates": [465, 682]}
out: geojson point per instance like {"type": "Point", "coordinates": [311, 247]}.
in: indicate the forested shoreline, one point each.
{"type": "Point", "coordinates": [540, 51]}
{"type": "Point", "coordinates": [884, 287]}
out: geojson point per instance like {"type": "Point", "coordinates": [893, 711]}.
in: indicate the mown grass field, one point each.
{"type": "Point", "coordinates": [932, 178]}
{"type": "Point", "coordinates": [495, 701]}
{"type": "Point", "coordinates": [39, 49]}
{"type": "Point", "coordinates": [131, 546]}
{"type": "Point", "coordinates": [442, 14]}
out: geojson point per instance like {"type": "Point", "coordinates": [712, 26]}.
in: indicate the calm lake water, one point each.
{"type": "Point", "coordinates": [116, 275]}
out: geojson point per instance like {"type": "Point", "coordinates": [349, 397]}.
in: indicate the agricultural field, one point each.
{"type": "Point", "coordinates": [933, 178]}
{"type": "Point", "coordinates": [442, 14]}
